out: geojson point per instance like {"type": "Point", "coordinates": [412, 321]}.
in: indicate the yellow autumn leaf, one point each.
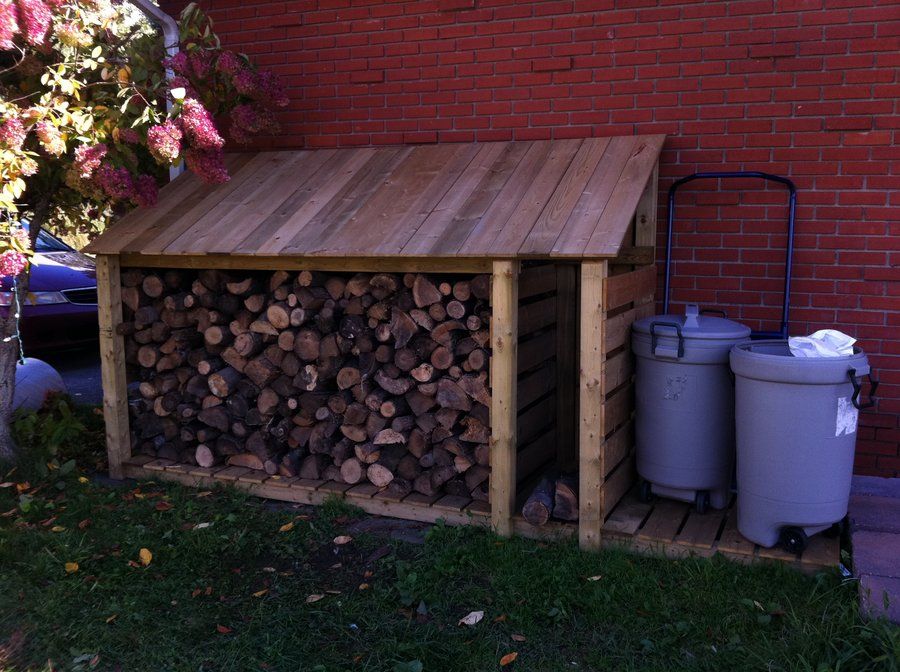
{"type": "Point", "coordinates": [508, 659]}
{"type": "Point", "coordinates": [71, 567]}
{"type": "Point", "coordinates": [287, 527]}
{"type": "Point", "coordinates": [146, 556]}
{"type": "Point", "coordinates": [112, 618]}
{"type": "Point", "coordinates": [260, 593]}
{"type": "Point", "coordinates": [57, 528]}
{"type": "Point", "coordinates": [82, 479]}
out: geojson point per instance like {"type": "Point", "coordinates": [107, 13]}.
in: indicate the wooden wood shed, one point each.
{"type": "Point", "coordinates": [563, 230]}
{"type": "Point", "coordinates": [566, 229]}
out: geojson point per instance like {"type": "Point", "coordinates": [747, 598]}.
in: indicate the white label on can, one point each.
{"type": "Point", "coordinates": [675, 387]}
{"type": "Point", "coordinates": [845, 420]}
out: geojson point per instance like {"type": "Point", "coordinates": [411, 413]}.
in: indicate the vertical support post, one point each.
{"type": "Point", "coordinates": [645, 214]}
{"type": "Point", "coordinates": [112, 363]}
{"type": "Point", "coordinates": [504, 348]}
{"type": "Point", "coordinates": [567, 367]}
{"type": "Point", "coordinates": [591, 435]}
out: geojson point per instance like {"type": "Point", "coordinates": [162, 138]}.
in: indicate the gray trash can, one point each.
{"type": "Point", "coordinates": [684, 409]}
{"type": "Point", "coordinates": [796, 434]}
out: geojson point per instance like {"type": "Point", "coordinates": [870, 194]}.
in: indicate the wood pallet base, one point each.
{"type": "Point", "coordinates": [676, 530]}
{"type": "Point", "coordinates": [662, 527]}
{"type": "Point", "coordinates": [453, 510]}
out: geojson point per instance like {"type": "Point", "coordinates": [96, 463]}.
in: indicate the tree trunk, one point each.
{"type": "Point", "coordinates": [9, 349]}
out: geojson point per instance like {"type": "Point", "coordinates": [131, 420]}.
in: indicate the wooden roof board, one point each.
{"type": "Point", "coordinates": [570, 198]}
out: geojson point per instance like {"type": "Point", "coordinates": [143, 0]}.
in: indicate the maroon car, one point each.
{"type": "Point", "coordinates": [61, 310]}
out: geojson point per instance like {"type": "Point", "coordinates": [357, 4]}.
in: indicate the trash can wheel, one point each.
{"type": "Point", "coordinates": [701, 501]}
{"type": "Point", "coordinates": [793, 540]}
{"type": "Point", "coordinates": [645, 493]}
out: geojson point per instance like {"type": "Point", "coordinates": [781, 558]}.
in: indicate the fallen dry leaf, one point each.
{"type": "Point", "coordinates": [110, 619]}
{"type": "Point", "coordinates": [333, 592]}
{"type": "Point", "coordinates": [517, 638]}
{"type": "Point", "coordinates": [500, 618]}
{"type": "Point", "coordinates": [146, 556]}
{"type": "Point", "coordinates": [57, 528]}
{"type": "Point", "coordinates": [508, 659]}
{"type": "Point", "coordinates": [287, 527]}
{"type": "Point", "coordinates": [364, 586]}
{"type": "Point", "coordinates": [205, 493]}
{"type": "Point", "coordinates": [201, 526]}
{"type": "Point", "coordinates": [84, 524]}
{"type": "Point", "coordinates": [83, 479]}
{"type": "Point", "coordinates": [260, 593]}
{"type": "Point", "coordinates": [162, 506]}
{"type": "Point", "coordinates": [71, 567]}
{"type": "Point", "coordinates": [471, 618]}
{"type": "Point", "coordinates": [315, 597]}
{"type": "Point", "coordinates": [195, 592]}
{"type": "Point", "coordinates": [223, 629]}
{"type": "Point", "coordinates": [342, 539]}
{"type": "Point", "coordinates": [595, 578]}
{"type": "Point", "coordinates": [7, 484]}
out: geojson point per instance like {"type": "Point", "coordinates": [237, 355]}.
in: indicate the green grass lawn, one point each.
{"type": "Point", "coordinates": [235, 583]}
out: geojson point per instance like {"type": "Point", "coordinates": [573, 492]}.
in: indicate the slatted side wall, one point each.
{"type": "Point", "coordinates": [628, 297]}
{"type": "Point", "coordinates": [537, 369]}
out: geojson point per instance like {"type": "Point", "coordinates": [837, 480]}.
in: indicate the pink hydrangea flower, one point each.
{"type": "Point", "coordinates": [178, 63]}
{"type": "Point", "coordinates": [251, 118]}
{"type": "Point", "coordinates": [12, 133]}
{"type": "Point", "coordinates": [22, 238]}
{"type": "Point", "coordinates": [145, 191]}
{"type": "Point", "coordinates": [129, 135]}
{"type": "Point", "coordinates": [12, 263]}
{"type": "Point", "coordinates": [50, 138]}
{"type": "Point", "coordinates": [88, 157]}
{"type": "Point", "coordinates": [269, 89]}
{"type": "Point", "coordinates": [244, 81]}
{"type": "Point", "coordinates": [164, 142]}
{"type": "Point", "coordinates": [115, 182]}
{"type": "Point", "coordinates": [9, 23]}
{"type": "Point", "coordinates": [201, 63]}
{"type": "Point", "coordinates": [70, 34]}
{"type": "Point", "coordinates": [35, 19]}
{"type": "Point", "coordinates": [229, 63]}
{"type": "Point", "coordinates": [28, 166]}
{"type": "Point", "coordinates": [209, 165]}
{"type": "Point", "coordinates": [198, 126]}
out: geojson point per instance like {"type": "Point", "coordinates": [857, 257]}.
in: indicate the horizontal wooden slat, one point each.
{"type": "Point", "coordinates": [536, 419]}
{"type": "Point", "coordinates": [536, 316]}
{"type": "Point", "coordinates": [635, 287]}
{"type": "Point", "coordinates": [535, 280]}
{"type": "Point", "coordinates": [616, 485]}
{"type": "Point", "coordinates": [618, 327]}
{"type": "Point", "coordinates": [536, 384]}
{"type": "Point", "coordinates": [617, 408]}
{"type": "Point", "coordinates": [617, 370]}
{"type": "Point", "coordinates": [297, 263]}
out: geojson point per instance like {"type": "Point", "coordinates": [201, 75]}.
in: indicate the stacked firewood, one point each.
{"type": "Point", "coordinates": [378, 378]}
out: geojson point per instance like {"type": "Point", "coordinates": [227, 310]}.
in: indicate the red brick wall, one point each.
{"type": "Point", "coordinates": [803, 88]}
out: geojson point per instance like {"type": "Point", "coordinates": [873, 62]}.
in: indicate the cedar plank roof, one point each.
{"type": "Point", "coordinates": [569, 198]}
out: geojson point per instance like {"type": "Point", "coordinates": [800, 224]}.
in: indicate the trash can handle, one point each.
{"type": "Point", "coordinates": [654, 337]}
{"type": "Point", "coordinates": [715, 311]}
{"type": "Point", "coordinates": [857, 388]}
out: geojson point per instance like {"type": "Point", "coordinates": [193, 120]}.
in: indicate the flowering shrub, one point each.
{"type": "Point", "coordinates": [91, 118]}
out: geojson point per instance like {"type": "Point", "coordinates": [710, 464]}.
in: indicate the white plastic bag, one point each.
{"type": "Point", "coordinates": [823, 343]}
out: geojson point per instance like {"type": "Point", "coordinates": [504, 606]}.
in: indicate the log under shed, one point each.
{"type": "Point", "coordinates": [566, 229]}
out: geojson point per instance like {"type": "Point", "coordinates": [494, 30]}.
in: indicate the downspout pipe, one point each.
{"type": "Point", "coordinates": [170, 42]}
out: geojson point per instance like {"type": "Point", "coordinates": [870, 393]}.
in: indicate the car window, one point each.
{"type": "Point", "coordinates": [48, 243]}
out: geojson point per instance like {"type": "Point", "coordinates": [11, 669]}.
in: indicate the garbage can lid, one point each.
{"type": "Point", "coordinates": [696, 325]}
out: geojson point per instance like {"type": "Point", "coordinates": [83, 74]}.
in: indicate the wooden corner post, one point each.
{"type": "Point", "coordinates": [112, 363]}
{"type": "Point", "coordinates": [504, 348]}
{"type": "Point", "coordinates": [591, 434]}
